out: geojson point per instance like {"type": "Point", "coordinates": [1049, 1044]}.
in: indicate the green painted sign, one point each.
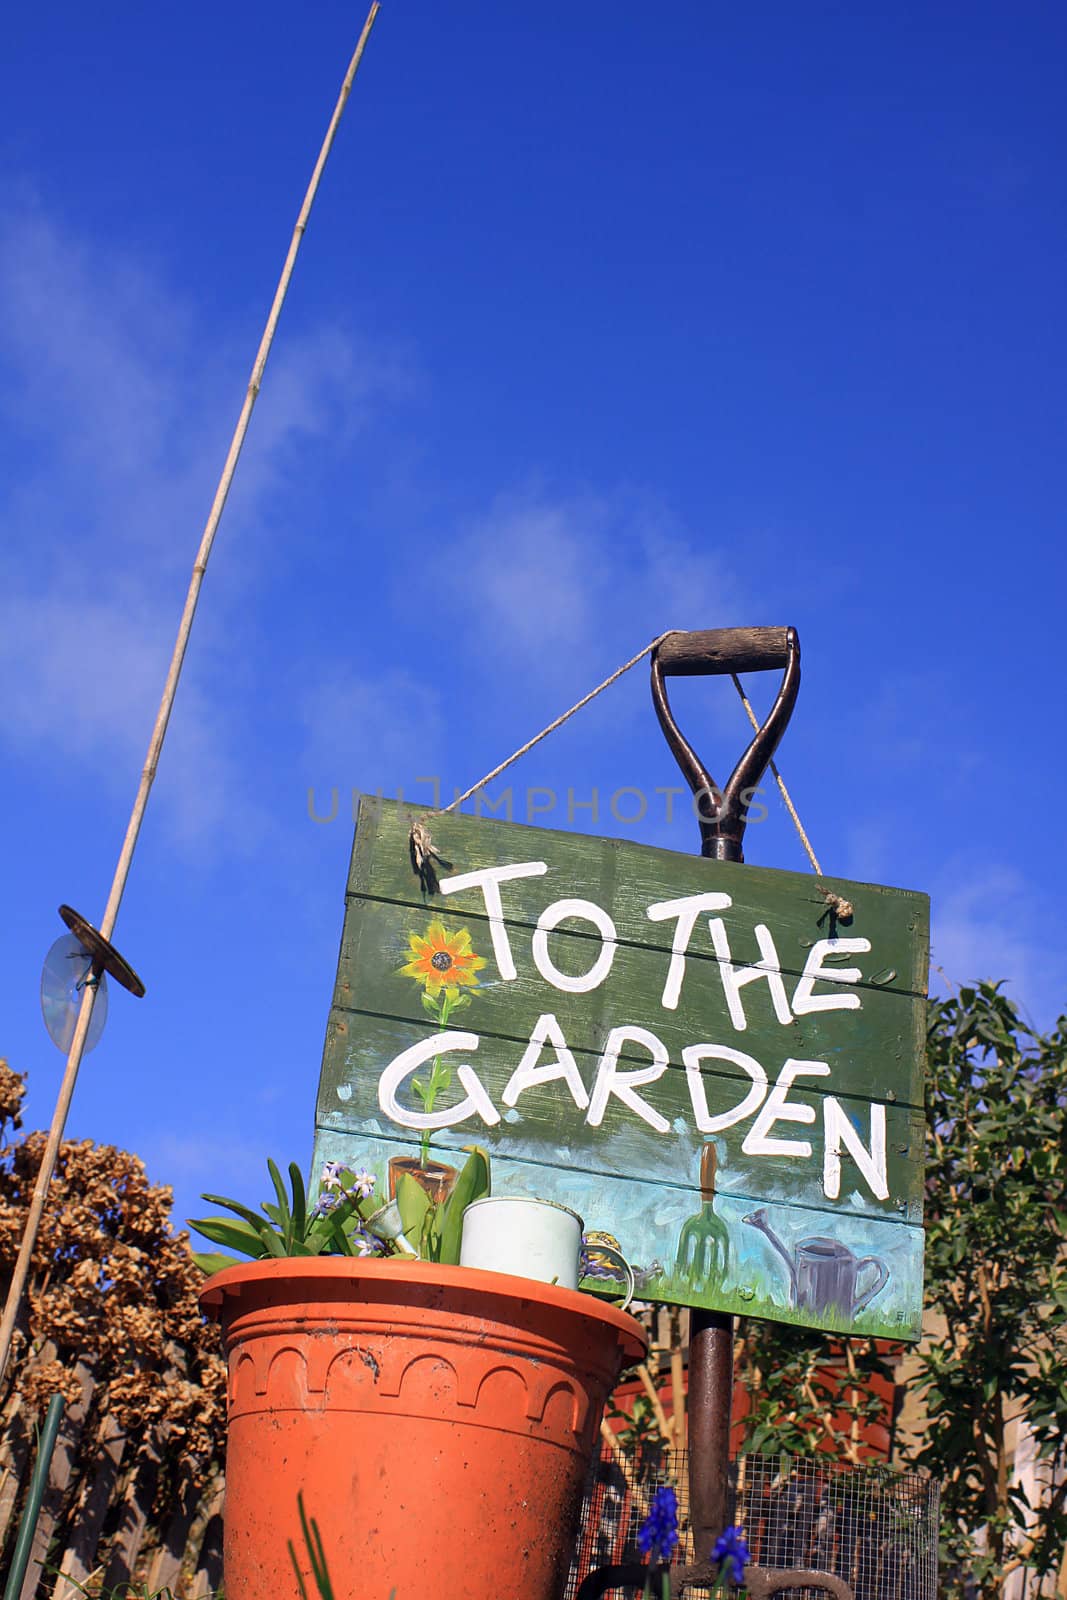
{"type": "Point", "coordinates": [708, 1061]}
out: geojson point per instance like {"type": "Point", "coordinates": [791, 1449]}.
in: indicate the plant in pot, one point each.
{"type": "Point", "coordinates": [438, 1419]}
{"type": "Point", "coordinates": [445, 967]}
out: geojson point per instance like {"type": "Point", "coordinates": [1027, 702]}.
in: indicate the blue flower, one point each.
{"type": "Point", "coordinates": [326, 1203]}
{"type": "Point", "coordinates": [362, 1184]}
{"type": "Point", "coordinates": [658, 1534]}
{"type": "Point", "coordinates": [731, 1552]}
{"type": "Point", "coordinates": [331, 1174]}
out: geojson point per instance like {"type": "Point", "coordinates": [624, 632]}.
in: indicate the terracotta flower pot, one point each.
{"type": "Point", "coordinates": [439, 1421]}
{"type": "Point", "coordinates": [437, 1179]}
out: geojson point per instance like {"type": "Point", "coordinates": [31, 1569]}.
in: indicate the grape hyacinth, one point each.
{"type": "Point", "coordinates": [731, 1552]}
{"type": "Point", "coordinates": [658, 1534]}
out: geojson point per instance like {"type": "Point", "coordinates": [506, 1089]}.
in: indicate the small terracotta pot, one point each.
{"type": "Point", "coordinates": [437, 1179]}
{"type": "Point", "coordinates": [438, 1420]}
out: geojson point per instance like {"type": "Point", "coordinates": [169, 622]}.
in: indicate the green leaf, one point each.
{"type": "Point", "coordinates": [235, 1206]}
{"type": "Point", "coordinates": [413, 1203]}
{"type": "Point", "coordinates": [296, 1178]}
{"type": "Point", "coordinates": [214, 1261]}
{"type": "Point", "coordinates": [472, 1184]}
{"type": "Point", "coordinates": [318, 1237]}
{"type": "Point", "coordinates": [283, 1202]}
{"type": "Point", "coordinates": [340, 1240]}
{"type": "Point", "coordinates": [244, 1237]}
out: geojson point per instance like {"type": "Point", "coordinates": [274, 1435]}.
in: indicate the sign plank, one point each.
{"type": "Point", "coordinates": [691, 1054]}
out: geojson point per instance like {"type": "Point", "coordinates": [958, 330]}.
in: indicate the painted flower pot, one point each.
{"type": "Point", "coordinates": [437, 1179]}
{"type": "Point", "coordinates": [438, 1420]}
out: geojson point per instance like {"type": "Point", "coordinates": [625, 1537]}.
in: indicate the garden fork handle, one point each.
{"type": "Point", "coordinates": [692, 655]}
{"type": "Point", "coordinates": [723, 813]}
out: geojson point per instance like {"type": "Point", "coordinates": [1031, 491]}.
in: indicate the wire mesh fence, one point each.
{"type": "Point", "coordinates": [872, 1526]}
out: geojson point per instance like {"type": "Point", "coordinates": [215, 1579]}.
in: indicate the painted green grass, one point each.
{"type": "Point", "coordinates": [676, 1289]}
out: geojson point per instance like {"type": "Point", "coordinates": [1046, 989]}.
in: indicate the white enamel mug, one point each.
{"type": "Point", "coordinates": [523, 1237]}
{"type": "Point", "coordinates": [529, 1239]}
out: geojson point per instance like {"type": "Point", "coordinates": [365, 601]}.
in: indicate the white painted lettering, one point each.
{"type": "Point", "coordinates": [477, 1102]}
{"type": "Point", "coordinates": [735, 978]}
{"type": "Point", "coordinates": [686, 911]}
{"type": "Point", "coordinates": [623, 1085]}
{"type": "Point", "coordinates": [872, 1163]}
{"type": "Point", "coordinates": [488, 880]}
{"type": "Point", "coordinates": [779, 1108]}
{"type": "Point", "coordinates": [693, 1055]}
{"type": "Point", "coordinates": [804, 1001]}
{"type": "Point", "coordinates": [527, 1074]}
{"type": "Point", "coordinates": [550, 919]}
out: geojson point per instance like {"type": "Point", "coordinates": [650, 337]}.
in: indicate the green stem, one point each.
{"type": "Point", "coordinates": [444, 1011]}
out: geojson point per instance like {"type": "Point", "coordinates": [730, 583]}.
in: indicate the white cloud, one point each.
{"type": "Point", "coordinates": [117, 424]}
{"type": "Point", "coordinates": [564, 589]}
{"type": "Point", "coordinates": [989, 922]}
{"type": "Point", "coordinates": [235, 1166]}
{"type": "Point", "coordinates": [547, 595]}
{"type": "Point", "coordinates": [369, 732]}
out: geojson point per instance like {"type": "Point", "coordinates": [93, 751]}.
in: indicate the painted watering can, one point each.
{"type": "Point", "coordinates": [704, 1243]}
{"type": "Point", "coordinates": [824, 1275]}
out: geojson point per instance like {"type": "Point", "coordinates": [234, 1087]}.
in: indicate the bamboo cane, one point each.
{"type": "Point", "coordinates": [678, 1399]}
{"type": "Point", "coordinates": [619, 1454]}
{"type": "Point", "coordinates": [665, 1429]}
{"type": "Point", "coordinates": [155, 744]}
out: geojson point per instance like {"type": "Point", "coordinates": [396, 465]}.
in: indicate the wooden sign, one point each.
{"type": "Point", "coordinates": [705, 1060]}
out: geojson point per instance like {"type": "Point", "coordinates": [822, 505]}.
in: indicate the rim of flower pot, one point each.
{"type": "Point", "coordinates": [498, 1285]}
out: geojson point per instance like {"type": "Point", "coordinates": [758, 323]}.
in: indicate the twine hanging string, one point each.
{"type": "Point", "coordinates": [790, 807]}
{"type": "Point", "coordinates": [615, 676]}
{"type": "Point", "coordinates": [424, 854]}
{"type": "Point", "coordinates": [840, 909]}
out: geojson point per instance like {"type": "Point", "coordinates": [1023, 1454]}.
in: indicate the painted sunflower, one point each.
{"type": "Point", "coordinates": [442, 960]}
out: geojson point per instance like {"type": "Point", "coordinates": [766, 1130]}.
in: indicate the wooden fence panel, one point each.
{"type": "Point", "coordinates": [166, 1563]}
{"type": "Point", "coordinates": [208, 1575]}
{"type": "Point", "coordinates": [135, 1514]}
{"type": "Point", "coordinates": [88, 1514]}
{"type": "Point", "coordinates": [61, 1477]}
{"type": "Point", "coordinates": [14, 1460]}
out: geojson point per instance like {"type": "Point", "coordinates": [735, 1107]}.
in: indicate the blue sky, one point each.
{"type": "Point", "coordinates": [607, 321]}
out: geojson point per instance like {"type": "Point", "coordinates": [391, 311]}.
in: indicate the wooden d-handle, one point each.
{"type": "Point", "coordinates": [723, 815]}
{"type": "Point", "coordinates": [711, 650]}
